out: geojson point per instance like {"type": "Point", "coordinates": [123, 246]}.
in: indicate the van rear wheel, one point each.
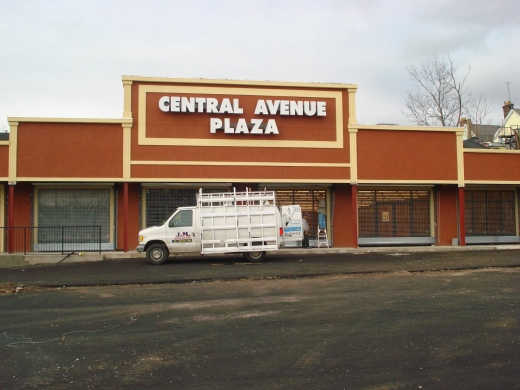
{"type": "Point", "coordinates": [157, 254]}
{"type": "Point", "coordinates": [255, 256]}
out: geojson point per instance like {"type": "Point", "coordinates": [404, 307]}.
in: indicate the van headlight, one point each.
{"type": "Point", "coordinates": [141, 238]}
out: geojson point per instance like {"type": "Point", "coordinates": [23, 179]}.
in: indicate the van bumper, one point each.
{"type": "Point", "coordinates": [140, 248]}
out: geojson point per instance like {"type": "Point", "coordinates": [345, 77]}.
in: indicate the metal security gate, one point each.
{"type": "Point", "coordinates": [491, 216]}
{"type": "Point", "coordinates": [73, 207]}
{"type": "Point", "coordinates": [395, 217]}
{"type": "Point", "coordinates": [160, 203]}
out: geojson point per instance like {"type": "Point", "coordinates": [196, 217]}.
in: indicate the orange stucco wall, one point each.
{"type": "Point", "coordinates": [22, 204]}
{"type": "Point", "coordinates": [196, 125]}
{"type": "Point", "coordinates": [491, 166]}
{"type": "Point", "coordinates": [4, 160]}
{"type": "Point", "coordinates": [70, 150]}
{"type": "Point", "coordinates": [446, 214]}
{"type": "Point", "coordinates": [343, 218]}
{"type": "Point", "coordinates": [133, 216]}
{"type": "Point", "coordinates": [406, 155]}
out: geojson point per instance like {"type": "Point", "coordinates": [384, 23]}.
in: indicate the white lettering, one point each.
{"type": "Point", "coordinates": [187, 104]}
{"type": "Point", "coordinates": [321, 108]}
{"type": "Point", "coordinates": [296, 108]}
{"type": "Point", "coordinates": [214, 125]}
{"type": "Point", "coordinates": [261, 108]}
{"type": "Point", "coordinates": [271, 127]}
{"type": "Point", "coordinates": [242, 127]}
{"type": "Point", "coordinates": [273, 106]}
{"type": "Point", "coordinates": [200, 103]}
{"type": "Point", "coordinates": [309, 108]}
{"type": "Point", "coordinates": [225, 107]}
{"type": "Point", "coordinates": [164, 103]}
{"type": "Point", "coordinates": [236, 108]}
{"type": "Point", "coordinates": [175, 104]}
{"type": "Point", "coordinates": [256, 126]}
{"type": "Point", "coordinates": [284, 107]}
{"type": "Point", "coordinates": [212, 104]}
{"type": "Point", "coordinates": [227, 126]}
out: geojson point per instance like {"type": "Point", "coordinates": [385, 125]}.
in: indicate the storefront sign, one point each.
{"type": "Point", "coordinates": [181, 104]}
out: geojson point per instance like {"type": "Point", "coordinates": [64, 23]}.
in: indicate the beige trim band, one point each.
{"type": "Point", "coordinates": [242, 163]}
{"type": "Point", "coordinates": [491, 182]}
{"type": "Point", "coordinates": [238, 82]}
{"type": "Point", "coordinates": [144, 140]}
{"type": "Point", "coordinates": [175, 180]}
{"type": "Point", "coordinates": [405, 128]}
{"type": "Point", "coordinates": [492, 151]}
{"type": "Point", "coordinates": [72, 120]}
{"type": "Point", "coordinates": [4, 143]}
{"type": "Point", "coordinates": [327, 181]}
{"type": "Point", "coordinates": [397, 182]}
{"type": "Point", "coordinates": [72, 179]}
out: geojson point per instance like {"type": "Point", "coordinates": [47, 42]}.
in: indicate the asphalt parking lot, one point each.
{"type": "Point", "coordinates": [229, 267]}
{"type": "Point", "coordinates": [444, 329]}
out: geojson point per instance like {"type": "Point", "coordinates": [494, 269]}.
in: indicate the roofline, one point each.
{"type": "Point", "coordinates": [406, 128]}
{"type": "Point", "coordinates": [71, 120]}
{"type": "Point", "coordinates": [238, 82]}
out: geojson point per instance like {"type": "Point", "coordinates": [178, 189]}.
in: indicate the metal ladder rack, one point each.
{"type": "Point", "coordinates": [237, 221]}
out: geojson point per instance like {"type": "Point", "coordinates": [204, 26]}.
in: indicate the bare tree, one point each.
{"type": "Point", "coordinates": [477, 110]}
{"type": "Point", "coordinates": [441, 98]}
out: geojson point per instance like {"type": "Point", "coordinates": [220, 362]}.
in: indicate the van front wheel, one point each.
{"type": "Point", "coordinates": [255, 256]}
{"type": "Point", "coordinates": [157, 254]}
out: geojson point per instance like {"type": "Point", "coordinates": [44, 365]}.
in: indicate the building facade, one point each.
{"type": "Point", "coordinates": [383, 185]}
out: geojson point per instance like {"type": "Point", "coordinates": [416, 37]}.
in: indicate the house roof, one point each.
{"type": "Point", "coordinates": [474, 143]}
{"type": "Point", "coordinates": [484, 133]}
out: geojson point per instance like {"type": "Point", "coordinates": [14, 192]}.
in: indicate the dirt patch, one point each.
{"type": "Point", "coordinates": [15, 288]}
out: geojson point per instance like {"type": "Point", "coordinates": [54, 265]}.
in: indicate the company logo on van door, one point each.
{"type": "Point", "coordinates": [181, 104]}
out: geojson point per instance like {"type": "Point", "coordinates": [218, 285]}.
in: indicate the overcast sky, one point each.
{"type": "Point", "coordinates": [66, 58]}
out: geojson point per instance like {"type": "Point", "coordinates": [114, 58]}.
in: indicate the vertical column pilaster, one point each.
{"type": "Point", "coordinates": [127, 104]}
{"type": "Point", "coordinates": [13, 151]}
{"type": "Point", "coordinates": [127, 146]}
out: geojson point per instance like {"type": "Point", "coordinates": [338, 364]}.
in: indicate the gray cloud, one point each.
{"type": "Point", "coordinates": [65, 59]}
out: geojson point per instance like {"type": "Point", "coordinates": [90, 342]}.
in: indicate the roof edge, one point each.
{"type": "Point", "coordinates": [238, 82]}
{"type": "Point", "coordinates": [70, 120]}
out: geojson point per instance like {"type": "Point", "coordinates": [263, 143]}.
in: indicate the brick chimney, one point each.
{"type": "Point", "coordinates": [508, 106]}
{"type": "Point", "coordinates": [463, 121]}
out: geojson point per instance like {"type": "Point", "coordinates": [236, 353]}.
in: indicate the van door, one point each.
{"type": "Point", "coordinates": [181, 232]}
{"type": "Point", "coordinates": [292, 223]}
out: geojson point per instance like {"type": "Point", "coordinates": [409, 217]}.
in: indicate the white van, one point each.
{"type": "Point", "coordinates": [229, 222]}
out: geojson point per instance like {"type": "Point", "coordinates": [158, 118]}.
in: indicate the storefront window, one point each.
{"type": "Point", "coordinates": [394, 213]}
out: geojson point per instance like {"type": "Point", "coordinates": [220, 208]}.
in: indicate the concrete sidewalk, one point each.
{"type": "Point", "coordinates": [132, 268]}
{"type": "Point", "coordinates": [20, 260]}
